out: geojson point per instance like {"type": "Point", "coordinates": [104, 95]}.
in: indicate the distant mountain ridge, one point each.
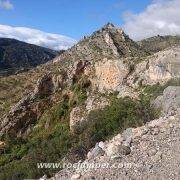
{"type": "Point", "coordinates": [159, 43]}
{"type": "Point", "coordinates": [17, 55]}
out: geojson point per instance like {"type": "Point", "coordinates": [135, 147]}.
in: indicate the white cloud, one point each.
{"type": "Point", "coordinates": [161, 17]}
{"type": "Point", "coordinates": [6, 4]}
{"type": "Point", "coordinates": [33, 36]}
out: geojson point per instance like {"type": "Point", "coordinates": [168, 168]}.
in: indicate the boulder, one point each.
{"type": "Point", "coordinates": [95, 152]}
{"type": "Point", "coordinates": [169, 102]}
{"type": "Point", "coordinates": [117, 150]}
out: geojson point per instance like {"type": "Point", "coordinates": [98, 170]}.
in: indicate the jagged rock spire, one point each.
{"type": "Point", "coordinates": [109, 26]}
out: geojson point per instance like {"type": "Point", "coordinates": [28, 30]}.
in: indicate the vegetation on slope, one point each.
{"type": "Point", "coordinates": [152, 91]}
{"type": "Point", "coordinates": [14, 87]}
{"type": "Point", "coordinates": [52, 140]}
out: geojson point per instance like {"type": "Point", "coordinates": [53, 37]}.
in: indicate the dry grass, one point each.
{"type": "Point", "coordinates": [14, 87]}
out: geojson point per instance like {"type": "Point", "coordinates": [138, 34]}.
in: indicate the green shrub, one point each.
{"type": "Point", "coordinates": [79, 89]}
{"type": "Point", "coordinates": [119, 115]}
{"type": "Point", "coordinates": [35, 150]}
{"type": "Point", "coordinates": [7, 106]}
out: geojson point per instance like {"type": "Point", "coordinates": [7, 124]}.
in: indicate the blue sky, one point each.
{"type": "Point", "coordinates": [58, 24]}
{"type": "Point", "coordinates": [73, 18]}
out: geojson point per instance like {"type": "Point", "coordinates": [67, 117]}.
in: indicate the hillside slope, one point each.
{"type": "Point", "coordinates": [153, 154]}
{"type": "Point", "coordinates": [16, 55]}
{"type": "Point", "coordinates": [147, 152]}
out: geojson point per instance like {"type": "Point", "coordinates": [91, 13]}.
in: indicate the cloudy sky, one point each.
{"type": "Point", "coordinates": [34, 36]}
{"type": "Point", "coordinates": [160, 17]}
{"type": "Point", "coordinates": [56, 24]}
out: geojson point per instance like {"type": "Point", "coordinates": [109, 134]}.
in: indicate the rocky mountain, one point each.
{"type": "Point", "coordinates": [18, 56]}
{"type": "Point", "coordinates": [103, 85]}
{"type": "Point", "coordinates": [159, 43]}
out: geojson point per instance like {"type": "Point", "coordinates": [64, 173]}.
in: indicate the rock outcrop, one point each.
{"type": "Point", "coordinates": [48, 84]}
{"type": "Point", "coordinates": [110, 74]}
{"type": "Point", "coordinates": [23, 116]}
{"type": "Point", "coordinates": [109, 41]}
{"type": "Point", "coordinates": [169, 102]}
{"type": "Point", "coordinates": [77, 119]}
{"type": "Point", "coordinates": [159, 43]}
{"type": "Point", "coordinates": [28, 110]}
{"type": "Point", "coordinates": [158, 68]}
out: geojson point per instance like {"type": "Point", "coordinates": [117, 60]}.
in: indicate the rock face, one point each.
{"type": "Point", "coordinates": [18, 118]}
{"type": "Point", "coordinates": [23, 116]}
{"type": "Point", "coordinates": [110, 74]}
{"type": "Point", "coordinates": [48, 85]}
{"type": "Point", "coordinates": [16, 55]}
{"type": "Point", "coordinates": [169, 102]}
{"type": "Point", "coordinates": [158, 68]}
